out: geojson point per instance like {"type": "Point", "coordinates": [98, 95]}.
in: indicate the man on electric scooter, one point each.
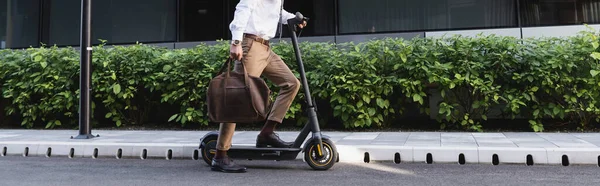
{"type": "Point", "coordinates": [255, 23]}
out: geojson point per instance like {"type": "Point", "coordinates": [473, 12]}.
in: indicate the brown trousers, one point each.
{"type": "Point", "coordinates": [259, 60]}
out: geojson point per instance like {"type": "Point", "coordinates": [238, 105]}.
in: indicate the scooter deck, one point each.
{"type": "Point", "coordinates": [255, 153]}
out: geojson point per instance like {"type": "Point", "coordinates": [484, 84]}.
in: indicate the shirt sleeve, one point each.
{"type": "Point", "coordinates": [286, 16]}
{"type": "Point", "coordinates": [243, 11]}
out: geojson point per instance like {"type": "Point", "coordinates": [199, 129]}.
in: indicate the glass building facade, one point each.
{"type": "Point", "coordinates": [25, 23]}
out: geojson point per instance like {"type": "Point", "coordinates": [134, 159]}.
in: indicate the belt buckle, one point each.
{"type": "Point", "coordinates": [262, 41]}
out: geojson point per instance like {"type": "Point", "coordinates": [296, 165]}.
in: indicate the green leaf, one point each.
{"type": "Point", "coordinates": [556, 110]}
{"type": "Point", "coordinates": [380, 103]}
{"type": "Point", "coordinates": [476, 105]}
{"type": "Point", "coordinates": [366, 98]}
{"type": "Point", "coordinates": [44, 64]}
{"type": "Point", "coordinates": [373, 61]}
{"type": "Point", "coordinates": [372, 111]}
{"type": "Point", "coordinates": [417, 98]}
{"type": "Point", "coordinates": [535, 89]}
{"type": "Point", "coordinates": [173, 117]}
{"type": "Point", "coordinates": [37, 58]}
{"type": "Point", "coordinates": [536, 113]}
{"type": "Point", "coordinates": [114, 76]}
{"type": "Point", "coordinates": [359, 104]}
{"type": "Point", "coordinates": [166, 68]}
{"type": "Point", "coordinates": [532, 123]}
{"type": "Point", "coordinates": [595, 55]}
{"type": "Point", "coordinates": [108, 115]}
{"type": "Point", "coordinates": [118, 123]}
{"type": "Point", "coordinates": [117, 88]}
{"type": "Point", "coordinates": [403, 57]}
{"type": "Point", "coordinates": [345, 116]}
{"type": "Point", "coordinates": [594, 73]}
{"type": "Point", "coordinates": [57, 123]}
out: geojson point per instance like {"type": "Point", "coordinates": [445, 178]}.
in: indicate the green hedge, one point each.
{"type": "Point", "coordinates": [369, 84]}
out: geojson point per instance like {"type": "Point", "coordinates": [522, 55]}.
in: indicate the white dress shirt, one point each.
{"type": "Point", "coordinates": [258, 17]}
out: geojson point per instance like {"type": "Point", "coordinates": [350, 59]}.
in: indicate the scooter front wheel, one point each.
{"type": "Point", "coordinates": [329, 154]}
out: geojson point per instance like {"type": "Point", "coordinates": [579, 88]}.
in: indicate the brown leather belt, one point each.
{"type": "Point", "coordinates": [257, 39]}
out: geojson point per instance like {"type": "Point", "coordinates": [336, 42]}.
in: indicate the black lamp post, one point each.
{"type": "Point", "coordinates": [85, 130]}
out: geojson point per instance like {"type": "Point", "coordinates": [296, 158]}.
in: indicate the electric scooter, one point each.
{"type": "Point", "coordinates": [319, 151]}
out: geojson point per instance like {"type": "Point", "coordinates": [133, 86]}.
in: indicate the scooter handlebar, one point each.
{"type": "Point", "coordinates": [298, 19]}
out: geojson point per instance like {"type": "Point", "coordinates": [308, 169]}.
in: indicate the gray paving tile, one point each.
{"type": "Point", "coordinates": [392, 136]}
{"type": "Point", "coordinates": [521, 140]}
{"type": "Point", "coordinates": [459, 145]}
{"type": "Point", "coordinates": [434, 139]}
{"type": "Point", "coordinates": [497, 145]}
{"type": "Point", "coordinates": [596, 143]}
{"type": "Point", "coordinates": [536, 144]}
{"type": "Point", "coordinates": [521, 135]}
{"type": "Point", "coordinates": [388, 142]}
{"type": "Point", "coordinates": [491, 139]}
{"type": "Point", "coordinates": [587, 135]}
{"type": "Point", "coordinates": [423, 141]}
{"type": "Point", "coordinates": [488, 135]}
{"type": "Point", "coordinates": [422, 144]}
{"type": "Point", "coordinates": [495, 141]}
{"type": "Point", "coordinates": [425, 134]}
{"type": "Point", "coordinates": [572, 140]}
{"type": "Point", "coordinates": [458, 141]}
{"type": "Point", "coordinates": [443, 137]}
{"type": "Point", "coordinates": [455, 134]}
{"type": "Point", "coordinates": [575, 145]}
{"type": "Point", "coordinates": [353, 142]}
{"type": "Point", "coordinates": [362, 136]}
{"type": "Point", "coordinates": [562, 138]}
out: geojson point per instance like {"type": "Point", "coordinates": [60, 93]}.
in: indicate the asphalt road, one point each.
{"type": "Point", "coordinates": [42, 171]}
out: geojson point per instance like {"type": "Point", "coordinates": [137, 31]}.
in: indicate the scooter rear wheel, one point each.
{"type": "Point", "coordinates": [325, 162]}
{"type": "Point", "coordinates": [209, 148]}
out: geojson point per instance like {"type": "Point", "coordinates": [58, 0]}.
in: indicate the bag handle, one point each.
{"type": "Point", "coordinates": [228, 66]}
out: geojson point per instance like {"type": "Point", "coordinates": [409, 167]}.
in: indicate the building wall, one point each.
{"type": "Point", "coordinates": [185, 23]}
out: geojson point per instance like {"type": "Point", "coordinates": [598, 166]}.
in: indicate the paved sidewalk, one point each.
{"type": "Point", "coordinates": [400, 147]}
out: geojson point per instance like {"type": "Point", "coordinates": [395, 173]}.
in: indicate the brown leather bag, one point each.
{"type": "Point", "coordinates": [234, 97]}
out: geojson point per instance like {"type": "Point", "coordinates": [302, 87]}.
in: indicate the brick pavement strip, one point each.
{"type": "Point", "coordinates": [400, 147]}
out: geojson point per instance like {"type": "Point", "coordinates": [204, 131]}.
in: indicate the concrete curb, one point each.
{"type": "Point", "coordinates": [348, 153]}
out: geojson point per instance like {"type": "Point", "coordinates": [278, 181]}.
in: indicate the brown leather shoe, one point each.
{"type": "Point", "coordinates": [272, 140]}
{"type": "Point", "coordinates": [226, 165]}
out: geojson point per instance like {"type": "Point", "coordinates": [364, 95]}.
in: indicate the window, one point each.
{"type": "Point", "coordinates": [320, 12]}
{"type": "Point", "coordinates": [360, 16]}
{"type": "Point", "coordinates": [203, 20]}
{"type": "Point", "coordinates": [19, 20]}
{"type": "Point", "coordinates": [559, 12]}
{"type": "Point", "coordinates": [116, 21]}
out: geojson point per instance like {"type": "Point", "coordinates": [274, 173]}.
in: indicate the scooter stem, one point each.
{"type": "Point", "coordinates": [314, 123]}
